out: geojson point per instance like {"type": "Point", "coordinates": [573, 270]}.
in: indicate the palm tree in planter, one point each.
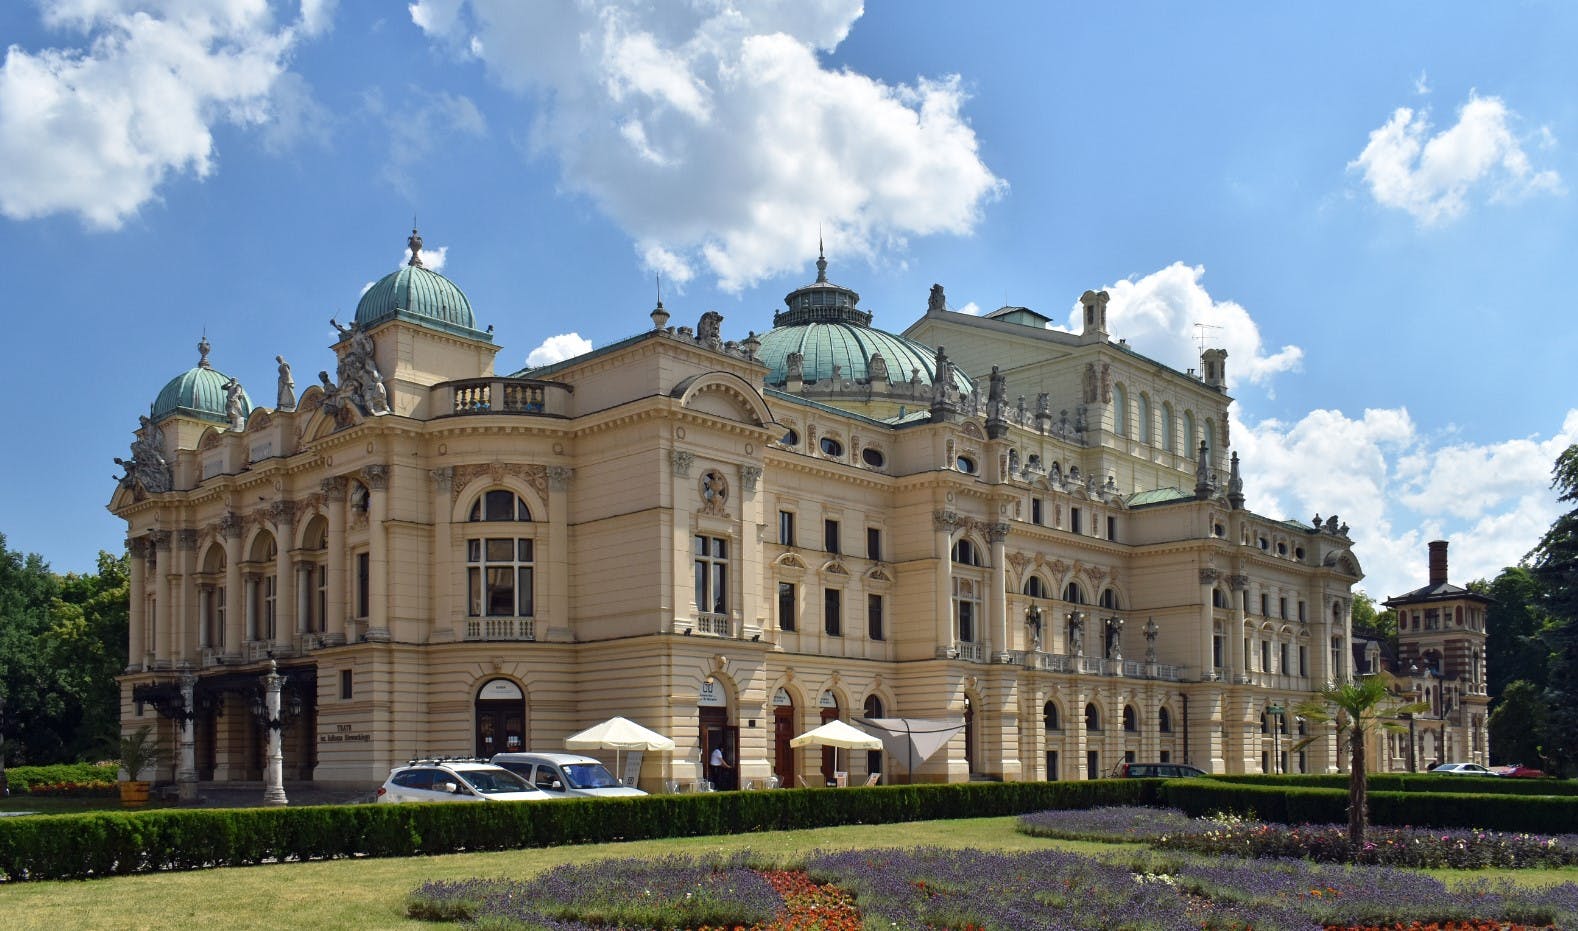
{"type": "Point", "coordinates": [1360, 709]}
{"type": "Point", "coordinates": [140, 752]}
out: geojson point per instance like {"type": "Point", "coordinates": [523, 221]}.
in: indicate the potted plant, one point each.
{"type": "Point", "coordinates": [140, 752]}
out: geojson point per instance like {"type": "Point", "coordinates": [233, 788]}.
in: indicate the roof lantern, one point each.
{"type": "Point", "coordinates": [417, 295]}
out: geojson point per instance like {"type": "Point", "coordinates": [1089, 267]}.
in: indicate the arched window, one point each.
{"type": "Point", "coordinates": [1169, 428]}
{"type": "Point", "coordinates": [1218, 600]}
{"type": "Point", "coordinates": [1109, 599]}
{"type": "Point", "coordinates": [499, 504]}
{"type": "Point", "coordinates": [1120, 411]}
{"type": "Point", "coordinates": [1145, 435]}
{"type": "Point", "coordinates": [873, 707]}
{"type": "Point", "coordinates": [965, 554]}
{"type": "Point", "coordinates": [1164, 720]}
{"type": "Point", "coordinates": [1035, 588]}
{"type": "Point", "coordinates": [1209, 436]}
{"type": "Point", "coordinates": [1049, 717]}
{"type": "Point", "coordinates": [1191, 439]}
{"type": "Point", "coordinates": [1130, 719]}
{"type": "Point", "coordinates": [1092, 718]}
{"type": "Point", "coordinates": [1073, 594]}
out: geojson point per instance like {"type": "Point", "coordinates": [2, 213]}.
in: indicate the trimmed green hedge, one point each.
{"type": "Point", "coordinates": [111, 843]}
{"type": "Point", "coordinates": [21, 779]}
{"type": "Point", "coordinates": [1416, 782]}
{"type": "Point", "coordinates": [1286, 804]}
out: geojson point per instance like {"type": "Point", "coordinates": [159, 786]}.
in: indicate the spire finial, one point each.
{"type": "Point", "coordinates": [415, 245]}
{"type": "Point", "coordinates": [821, 259]}
{"type": "Point", "coordinates": [202, 352]}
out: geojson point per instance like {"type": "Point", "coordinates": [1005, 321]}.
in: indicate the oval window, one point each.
{"type": "Point", "coordinates": [832, 447]}
{"type": "Point", "coordinates": [1282, 549]}
{"type": "Point", "coordinates": [966, 465]}
{"type": "Point", "coordinates": [790, 438]}
{"type": "Point", "coordinates": [1298, 553]}
{"type": "Point", "coordinates": [1219, 530]}
{"type": "Point", "coordinates": [1264, 543]}
{"type": "Point", "coordinates": [873, 457]}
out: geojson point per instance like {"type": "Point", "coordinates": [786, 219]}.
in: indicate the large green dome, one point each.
{"type": "Point", "coordinates": [420, 296]}
{"type": "Point", "coordinates": [823, 324]}
{"type": "Point", "coordinates": [198, 392]}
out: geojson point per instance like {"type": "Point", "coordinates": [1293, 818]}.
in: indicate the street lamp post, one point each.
{"type": "Point", "coordinates": [274, 768]}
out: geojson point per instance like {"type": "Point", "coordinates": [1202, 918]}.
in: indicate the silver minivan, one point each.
{"type": "Point", "coordinates": [565, 775]}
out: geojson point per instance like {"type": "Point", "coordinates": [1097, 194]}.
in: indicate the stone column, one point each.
{"type": "Point", "coordinates": [1208, 577]}
{"type": "Point", "coordinates": [274, 766]}
{"type": "Point", "coordinates": [442, 571]}
{"type": "Point", "coordinates": [137, 611]}
{"type": "Point", "coordinates": [558, 555]}
{"type": "Point", "coordinates": [186, 636]}
{"type": "Point", "coordinates": [334, 502]}
{"type": "Point", "coordinates": [302, 570]}
{"type": "Point", "coordinates": [944, 523]}
{"type": "Point", "coordinates": [286, 620]}
{"type": "Point", "coordinates": [377, 478]}
{"type": "Point", "coordinates": [997, 602]}
{"type": "Point", "coordinates": [160, 627]}
{"type": "Point", "coordinates": [186, 771]}
{"type": "Point", "coordinates": [235, 594]}
{"type": "Point", "coordinates": [1238, 662]}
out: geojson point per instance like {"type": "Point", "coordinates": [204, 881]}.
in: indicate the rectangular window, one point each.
{"type": "Point", "coordinates": [218, 639]}
{"type": "Point", "coordinates": [499, 578]}
{"type": "Point", "coordinates": [966, 604]}
{"type": "Point", "coordinates": [1112, 528]}
{"type": "Point", "coordinates": [873, 543]}
{"type": "Point", "coordinates": [1282, 658]}
{"type": "Point", "coordinates": [321, 611]}
{"type": "Point", "coordinates": [712, 575]}
{"type": "Point", "coordinates": [1166, 757]}
{"type": "Point", "coordinates": [830, 536]}
{"type": "Point", "coordinates": [1037, 514]}
{"type": "Point", "coordinates": [1216, 651]}
{"type": "Point", "coordinates": [270, 604]}
{"type": "Point", "coordinates": [1282, 608]}
{"type": "Point", "coordinates": [874, 628]}
{"type": "Point", "coordinates": [786, 528]}
{"type": "Point", "coordinates": [1336, 658]}
{"type": "Point", "coordinates": [1303, 616]}
{"type": "Point", "coordinates": [1304, 660]}
{"type": "Point", "coordinates": [1265, 605]}
{"type": "Point", "coordinates": [833, 612]}
{"type": "Point", "coordinates": [364, 582]}
{"type": "Point", "coordinates": [1244, 597]}
{"type": "Point", "coordinates": [1073, 520]}
{"type": "Point", "coordinates": [1051, 765]}
{"type": "Point", "coordinates": [786, 606]}
{"type": "Point", "coordinates": [346, 690]}
{"type": "Point", "coordinates": [1265, 656]}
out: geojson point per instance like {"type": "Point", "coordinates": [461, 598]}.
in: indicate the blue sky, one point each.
{"type": "Point", "coordinates": [1370, 205]}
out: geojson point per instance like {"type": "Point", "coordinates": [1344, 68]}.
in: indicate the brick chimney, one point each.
{"type": "Point", "coordinates": [1438, 562]}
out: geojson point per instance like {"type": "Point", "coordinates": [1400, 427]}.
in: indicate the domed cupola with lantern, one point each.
{"type": "Point", "coordinates": [824, 348]}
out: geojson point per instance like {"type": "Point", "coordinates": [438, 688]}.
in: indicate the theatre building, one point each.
{"type": "Point", "coordinates": [729, 538]}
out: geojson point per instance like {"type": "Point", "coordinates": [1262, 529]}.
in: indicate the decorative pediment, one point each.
{"type": "Point", "coordinates": [725, 395]}
{"type": "Point", "coordinates": [970, 429]}
{"type": "Point", "coordinates": [879, 574]}
{"type": "Point", "coordinates": [833, 567]}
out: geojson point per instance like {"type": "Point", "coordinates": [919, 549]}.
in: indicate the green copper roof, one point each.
{"type": "Point", "coordinates": [420, 296]}
{"type": "Point", "coordinates": [825, 326]}
{"type": "Point", "coordinates": [197, 392]}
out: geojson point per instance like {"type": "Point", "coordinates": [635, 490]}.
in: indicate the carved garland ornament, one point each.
{"type": "Point", "coordinates": [534, 475]}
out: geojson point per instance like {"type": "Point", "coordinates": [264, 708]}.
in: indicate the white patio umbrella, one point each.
{"type": "Point", "coordinates": [838, 735]}
{"type": "Point", "coordinates": [618, 734]}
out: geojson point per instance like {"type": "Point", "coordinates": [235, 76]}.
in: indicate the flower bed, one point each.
{"type": "Point", "coordinates": [1327, 843]}
{"type": "Point", "coordinates": [975, 890]}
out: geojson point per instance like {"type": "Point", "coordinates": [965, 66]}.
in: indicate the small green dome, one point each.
{"type": "Point", "coordinates": [420, 296]}
{"type": "Point", "coordinates": [198, 392]}
{"type": "Point", "coordinates": [823, 324]}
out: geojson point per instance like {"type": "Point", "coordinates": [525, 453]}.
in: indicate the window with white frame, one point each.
{"type": "Point", "coordinates": [966, 608]}
{"type": "Point", "coordinates": [712, 574]}
{"type": "Point", "coordinates": [500, 575]}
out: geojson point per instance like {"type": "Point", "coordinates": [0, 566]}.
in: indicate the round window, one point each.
{"type": "Point", "coordinates": [832, 447]}
{"type": "Point", "coordinates": [1298, 553]}
{"type": "Point", "coordinates": [790, 438]}
{"type": "Point", "coordinates": [873, 457]}
{"type": "Point", "coordinates": [966, 465]}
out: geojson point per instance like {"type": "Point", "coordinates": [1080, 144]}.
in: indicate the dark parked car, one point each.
{"type": "Point", "coordinates": [1156, 771]}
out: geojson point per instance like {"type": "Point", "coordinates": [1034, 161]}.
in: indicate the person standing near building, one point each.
{"type": "Point", "coordinates": [720, 772]}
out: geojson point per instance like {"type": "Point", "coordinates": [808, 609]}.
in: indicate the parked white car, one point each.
{"type": "Point", "coordinates": [565, 775]}
{"type": "Point", "coordinates": [456, 781]}
{"type": "Point", "coordinates": [1462, 769]}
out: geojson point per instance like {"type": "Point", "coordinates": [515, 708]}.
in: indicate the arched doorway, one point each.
{"type": "Point", "coordinates": [720, 740]}
{"type": "Point", "coordinates": [829, 704]}
{"type": "Point", "coordinates": [783, 732]}
{"type": "Point", "coordinates": [501, 718]}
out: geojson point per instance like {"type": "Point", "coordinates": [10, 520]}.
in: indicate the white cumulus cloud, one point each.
{"type": "Point", "coordinates": [557, 349]}
{"type": "Point", "coordinates": [1399, 488]}
{"type": "Point", "coordinates": [715, 137]}
{"type": "Point", "coordinates": [1158, 314]}
{"type": "Point", "coordinates": [1431, 177]}
{"type": "Point", "coordinates": [96, 129]}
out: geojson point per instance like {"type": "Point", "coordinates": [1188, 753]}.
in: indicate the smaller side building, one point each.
{"type": "Point", "coordinates": [1441, 661]}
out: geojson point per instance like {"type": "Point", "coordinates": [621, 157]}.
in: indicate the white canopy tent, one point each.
{"type": "Point", "coordinates": [618, 734]}
{"type": "Point", "coordinates": [838, 735]}
{"type": "Point", "coordinates": [915, 740]}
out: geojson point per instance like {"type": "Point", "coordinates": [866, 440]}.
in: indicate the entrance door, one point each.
{"type": "Point", "coordinates": [501, 718]}
{"type": "Point", "coordinates": [783, 754]}
{"type": "Point", "coordinates": [717, 734]}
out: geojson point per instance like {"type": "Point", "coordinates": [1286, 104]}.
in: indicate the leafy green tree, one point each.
{"type": "Point", "coordinates": [1360, 709]}
{"type": "Point", "coordinates": [1555, 567]}
{"type": "Point", "coordinates": [1517, 724]}
{"type": "Point", "coordinates": [1515, 628]}
{"type": "Point", "coordinates": [1368, 622]}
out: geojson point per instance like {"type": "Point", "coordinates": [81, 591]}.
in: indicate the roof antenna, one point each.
{"type": "Point", "coordinates": [821, 257]}
{"type": "Point", "coordinates": [1200, 333]}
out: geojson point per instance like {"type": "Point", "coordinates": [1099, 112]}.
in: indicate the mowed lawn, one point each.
{"type": "Point", "coordinates": [371, 894]}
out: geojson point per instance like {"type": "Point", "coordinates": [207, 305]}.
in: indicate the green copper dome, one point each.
{"type": "Point", "coordinates": [420, 296]}
{"type": "Point", "coordinates": [198, 392]}
{"type": "Point", "coordinates": [823, 324]}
